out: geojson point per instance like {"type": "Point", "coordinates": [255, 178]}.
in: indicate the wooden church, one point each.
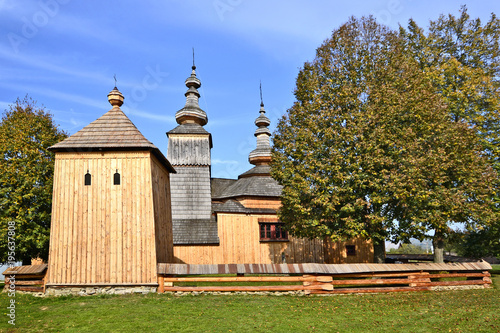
{"type": "Point", "coordinates": [219, 221]}
{"type": "Point", "coordinates": [120, 207]}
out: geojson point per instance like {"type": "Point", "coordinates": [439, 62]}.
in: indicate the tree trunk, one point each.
{"type": "Point", "coordinates": [378, 251]}
{"type": "Point", "coordinates": [438, 243]}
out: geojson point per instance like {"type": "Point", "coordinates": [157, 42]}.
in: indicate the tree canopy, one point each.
{"type": "Point", "coordinates": [27, 168]}
{"type": "Point", "coordinates": [369, 149]}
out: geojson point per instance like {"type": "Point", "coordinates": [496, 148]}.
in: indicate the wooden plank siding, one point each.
{"type": "Point", "coordinates": [240, 244]}
{"type": "Point", "coordinates": [106, 233]}
{"type": "Point", "coordinates": [163, 212]}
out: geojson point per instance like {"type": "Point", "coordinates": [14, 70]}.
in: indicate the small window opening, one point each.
{"type": "Point", "coordinates": [351, 250]}
{"type": "Point", "coordinates": [116, 178]}
{"type": "Point", "coordinates": [272, 232]}
{"type": "Point", "coordinates": [88, 179]}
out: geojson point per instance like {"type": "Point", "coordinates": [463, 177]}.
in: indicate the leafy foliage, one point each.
{"type": "Point", "coordinates": [461, 56]}
{"type": "Point", "coordinates": [370, 150]}
{"type": "Point", "coordinates": [480, 243]}
{"type": "Point", "coordinates": [27, 168]}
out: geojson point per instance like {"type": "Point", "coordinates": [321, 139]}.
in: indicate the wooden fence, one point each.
{"type": "Point", "coordinates": [322, 278]}
{"type": "Point", "coordinates": [26, 278]}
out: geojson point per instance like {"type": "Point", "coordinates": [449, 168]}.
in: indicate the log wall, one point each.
{"type": "Point", "coordinates": [105, 233]}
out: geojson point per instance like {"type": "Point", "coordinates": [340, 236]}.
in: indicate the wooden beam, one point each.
{"type": "Point", "coordinates": [161, 284]}
{"type": "Point", "coordinates": [375, 281]}
{"type": "Point", "coordinates": [250, 279]}
{"type": "Point", "coordinates": [251, 288]}
{"type": "Point", "coordinates": [28, 283]}
{"type": "Point", "coordinates": [453, 283]}
{"type": "Point", "coordinates": [33, 289]}
{"type": "Point", "coordinates": [368, 290]}
{"type": "Point", "coordinates": [451, 275]}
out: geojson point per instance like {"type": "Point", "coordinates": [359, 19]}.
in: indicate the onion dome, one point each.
{"type": "Point", "coordinates": [115, 98]}
{"type": "Point", "coordinates": [262, 154]}
{"type": "Point", "coordinates": [191, 112]}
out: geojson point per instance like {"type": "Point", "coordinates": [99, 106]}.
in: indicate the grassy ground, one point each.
{"type": "Point", "coordinates": [450, 311]}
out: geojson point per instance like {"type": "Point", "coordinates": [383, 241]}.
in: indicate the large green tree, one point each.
{"type": "Point", "coordinates": [462, 57]}
{"type": "Point", "coordinates": [26, 174]}
{"type": "Point", "coordinates": [369, 150]}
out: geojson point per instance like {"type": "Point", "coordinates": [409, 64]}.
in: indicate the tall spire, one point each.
{"type": "Point", "coordinates": [262, 154]}
{"type": "Point", "coordinates": [191, 112]}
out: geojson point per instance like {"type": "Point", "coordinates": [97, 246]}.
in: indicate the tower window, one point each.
{"type": "Point", "coordinates": [88, 179]}
{"type": "Point", "coordinates": [116, 178]}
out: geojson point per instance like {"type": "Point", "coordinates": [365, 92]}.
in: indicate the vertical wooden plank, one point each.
{"type": "Point", "coordinates": [77, 242]}
{"type": "Point", "coordinates": [113, 189]}
{"type": "Point", "coordinates": [143, 220]}
{"type": "Point", "coordinates": [128, 206]}
{"type": "Point", "coordinates": [73, 216]}
{"type": "Point", "coordinates": [136, 226]}
{"type": "Point", "coordinates": [108, 175]}
{"type": "Point", "coordinates": [90, 222]}
{"type": "Point", "coordinates": [119, 223]}
{"type": "Point", "coordinates": [96, 221]}
{"type": "Point", "coordinates": [161, 284]}
{"type": "Point", "coordinates": [67, 226]}
{"type": "Point", "coordinates": [54, 227]}
{"type": "Point", "coordinates": [101, 260]}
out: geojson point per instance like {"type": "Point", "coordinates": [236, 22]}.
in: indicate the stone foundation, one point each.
{"type": "Point", "coordinates": [99, 290]}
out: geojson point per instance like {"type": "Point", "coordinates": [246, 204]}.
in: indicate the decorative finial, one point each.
{"type": "Point", "coordinates": [261, 100]}
{"type": "Point", "coordinates": [115, 97]}
{"type": "Point", "coordinates": [114, 76]}
{"type": "Point", "coordinates": [194, 67]}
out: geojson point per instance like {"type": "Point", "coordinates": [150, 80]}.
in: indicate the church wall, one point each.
{"type": "Point", "coordinates": [256, 202]}
{"type": "Point", "coordinates": [102, 233]}
{"type": "Point", "coordinates": [162, 211]}
{"type": "Point", "coordinates": [240, 244]}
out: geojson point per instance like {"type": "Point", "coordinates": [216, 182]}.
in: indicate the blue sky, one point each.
{"type": "Point", "coordinates": [64, 53]}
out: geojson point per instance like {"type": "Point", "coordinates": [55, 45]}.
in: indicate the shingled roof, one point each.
{"type": "Point", "coordinates": [259, 186]}
{"type": "Point", "coordinates": [112, 131]}
{"type": "Point", "coordinates": [195, 231]}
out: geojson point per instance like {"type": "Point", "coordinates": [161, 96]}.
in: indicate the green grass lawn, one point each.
{"type": "Point", "coordinates": [446, 311]}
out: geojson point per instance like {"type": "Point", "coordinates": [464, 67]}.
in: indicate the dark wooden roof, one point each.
{"type": "Point", "coordinates": [219, 185]}
{"type": "Point", "coordinates": [258, 186]}
{"type": "Point", "coordinates": [195, 231]}
{"type": "Point", "coordinates": [233, 206]}
{"type": "Point", "coordinates": [330, 269]}
{"type": "Point", "coordinates": [259, 170]}
{"type": "Point", "coordinates": [26, 270]}
{"type": "Point", "coordinates": [111, 132]}
{"type": "Point", "coordinates": [188, 129]}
